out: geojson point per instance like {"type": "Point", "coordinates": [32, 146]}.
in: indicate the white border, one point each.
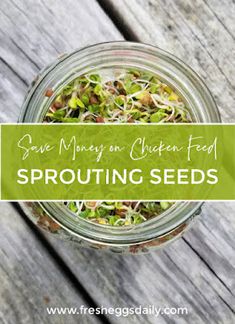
{"type": "Point", "coordinates": [120, 124]}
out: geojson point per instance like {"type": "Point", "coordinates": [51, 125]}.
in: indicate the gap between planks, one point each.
{"type": "Point", "coordinates": [60, 263]}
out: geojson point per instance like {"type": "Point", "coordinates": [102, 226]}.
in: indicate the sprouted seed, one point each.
{"type": "Point", "coordinates": [132, 97]}
{"type": "Point", "coordinates": [118, 213]}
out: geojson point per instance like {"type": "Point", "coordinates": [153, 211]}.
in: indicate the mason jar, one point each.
{"type": "Point", "coordinates": [55, 217]}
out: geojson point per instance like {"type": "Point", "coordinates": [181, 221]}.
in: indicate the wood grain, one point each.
{"type": "Point", "coordinates": [34, 33]}
{"type": "Point", "coordinates": [199, 32]}
{"type": "Point", "coordinates": [197, 271]}
{"type": "Point", "coordinates": [31, 39]}
{"type": "Point", "coordinates": [30, 279]}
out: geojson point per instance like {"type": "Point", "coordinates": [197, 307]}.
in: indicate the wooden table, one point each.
{"type": "Point", "coordinates": [198, 270]}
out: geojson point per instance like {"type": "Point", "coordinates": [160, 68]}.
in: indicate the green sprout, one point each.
{"type": "Point", "coordinates": [132, 97]}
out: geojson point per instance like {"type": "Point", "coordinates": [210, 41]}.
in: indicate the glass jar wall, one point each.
{"type": "Point", "coordinates": [110, 57]}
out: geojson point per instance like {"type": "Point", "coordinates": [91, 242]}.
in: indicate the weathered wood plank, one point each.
{"type": "Point", "coordinates": [191, 31]}
{"type": "Point", "coordinates": [30, 280]}
{"type": "Point", "coordinates": [32, 38]}
{"type": "Point", "coordinates": [224, 11]}
{"type": "Point", "coordinates": [196, 272]}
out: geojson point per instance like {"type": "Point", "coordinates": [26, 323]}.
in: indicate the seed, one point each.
{"type": "Point", "coordinates": [130, 120]}
{"type": "Point", "coordinates": [99, 119]}
{"type": "Point", "coordinates": [146, 99]}
{"type": "Point", "coordinates": [91, 204]}
{"type": "Point", "coordinates": [133, 204]}
{"type": "Point", "coordinates": [121, 212]}
{"type": "Point", "coordinates": [49, 93]}
{"type": "Point", "coordinates": [93, 100]}
{"type": "Point", "coordinates": [127, 203]}
{"type": "Point", "coordinates": [57, 105]}
{"type": "Point", "coordinates": [54, 227]}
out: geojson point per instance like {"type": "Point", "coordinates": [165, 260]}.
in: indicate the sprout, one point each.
{"type": "Point", "coordinates": [72, 103]}
{"type": "Point", "coordinates": [134, 96]}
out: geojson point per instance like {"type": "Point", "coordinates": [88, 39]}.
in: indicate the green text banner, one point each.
{"type": "Point", "coordinates": [117, 162]}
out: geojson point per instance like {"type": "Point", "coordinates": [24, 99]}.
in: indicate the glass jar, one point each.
{"type": "Point", "coordinates": [156, 232]}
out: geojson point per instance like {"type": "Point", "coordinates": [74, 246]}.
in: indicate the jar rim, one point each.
{"type": "Point", "coordinates": [170, 219]}
{"type": "Point", "coordinates": [192, 88]}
